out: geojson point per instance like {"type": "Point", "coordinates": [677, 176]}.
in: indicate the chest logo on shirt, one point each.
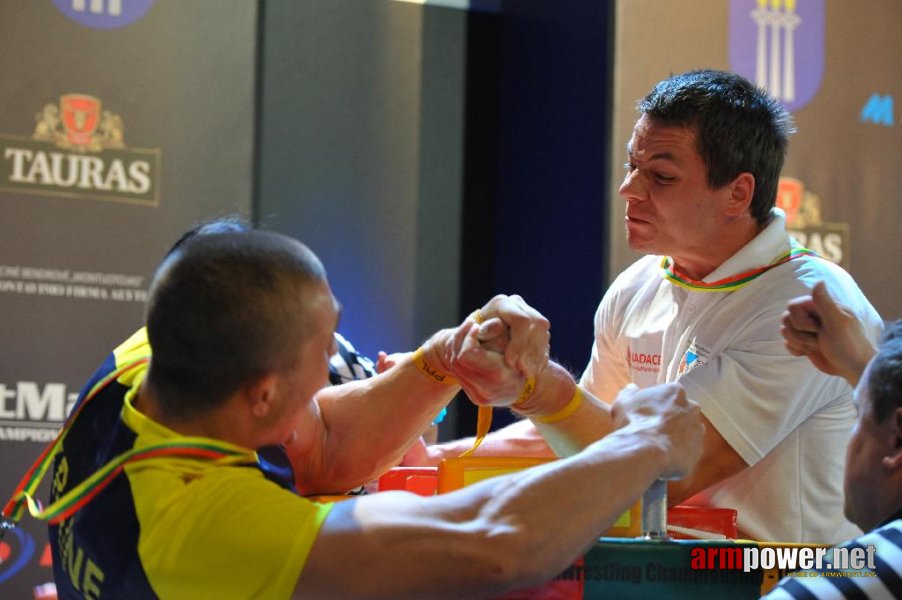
{"type": "Point", "coordinates": [694, 356]}
{"type": "Point", "coordinates": [640, 361]}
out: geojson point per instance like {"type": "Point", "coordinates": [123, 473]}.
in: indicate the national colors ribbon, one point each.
{"type": "Point", "coordinates": [728, 284]}
{"type": "Point", "coordinates": [84, 492]}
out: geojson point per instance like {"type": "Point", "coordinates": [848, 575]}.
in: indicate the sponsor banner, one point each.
{"type": "Point", "coordinates": [104, 14]}
{"type": "Point", "coordinates": [806, 225]}
{"type": "Point", "coordinates": [92, 104]}
{"type": "Point", "coordinates": [779, 46]}
{"type": "Point", "coordinates": [77, 150]}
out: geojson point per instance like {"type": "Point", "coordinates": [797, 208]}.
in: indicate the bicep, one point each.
{"type": "Point", "coordinates": [718, 461]}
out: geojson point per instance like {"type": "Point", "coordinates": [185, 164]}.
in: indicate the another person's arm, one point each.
{"type": "Point", "coordinates": [508, 532]}
{"type": "Point", "coordinates": [828, 334]}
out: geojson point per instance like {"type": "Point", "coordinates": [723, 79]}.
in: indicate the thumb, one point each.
{"type": "Point", "coordinates": [827, 308]}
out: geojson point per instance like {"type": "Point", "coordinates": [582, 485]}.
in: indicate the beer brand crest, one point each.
{"type": "Point", "coordinates": [77, 149]}
{"type": "Point", "coordinates": [78, 123]}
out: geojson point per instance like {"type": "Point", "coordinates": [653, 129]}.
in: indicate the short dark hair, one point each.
{"type": "Point", "coordinates": [225, 309]}
{"type": "Point", "coordinates": [230, 223]}
{"type": "Point", "coordinates": [739, 128]}
{"type": "Point", "coordinates": [885, 373]}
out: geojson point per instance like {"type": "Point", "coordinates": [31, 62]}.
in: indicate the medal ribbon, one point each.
{"type": "Point", "coordinates": [79, 496]}
{"type": "Point", "coordinates": [728, 284]}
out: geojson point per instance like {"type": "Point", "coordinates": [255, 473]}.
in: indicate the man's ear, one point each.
{"type": "Point", "coordinates": [893, 460]}
{"type": "Point", "coordinates": [742, 190]}
{"type": "Point", "coordinates": [261, 395]}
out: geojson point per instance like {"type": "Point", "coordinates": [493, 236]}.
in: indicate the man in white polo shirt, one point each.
{"type": "Point", "coordinates": [704, 307]}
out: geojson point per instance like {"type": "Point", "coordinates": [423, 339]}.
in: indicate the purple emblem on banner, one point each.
{"type": "Point", "coordinates": [779, 45]}
{"type": "Point", "coordinates": [104, 14]}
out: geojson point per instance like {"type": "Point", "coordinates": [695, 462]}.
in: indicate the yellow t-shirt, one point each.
{"type": "Point", "coordinates": [214, 531]}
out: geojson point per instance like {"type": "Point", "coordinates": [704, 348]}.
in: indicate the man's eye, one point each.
{"type": "Point", "coordinates": [629, 167]}
{"type": "Point", "coordinates": [664, 178]}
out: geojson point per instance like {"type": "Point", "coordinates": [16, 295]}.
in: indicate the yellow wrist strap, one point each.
{"type": "Point", "coordinates": [431, 372]}
{"type": "Point", "coordinates": [483, 424]}
{"type": "Point", "coordinates": [565, 412]}
{"type": "Point", "coordinates": [484, 416]}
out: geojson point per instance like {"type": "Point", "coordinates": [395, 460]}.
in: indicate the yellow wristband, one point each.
{"type": "Point", "coordinates": [528, 389]}
{"type": "Point", "coordinates": [432, 373]}
{"type": "Point", "coordinates": [565, 412]}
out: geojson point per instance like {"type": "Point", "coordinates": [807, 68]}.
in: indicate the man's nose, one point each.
{"type": "Point", "coordinates": [632, 189]}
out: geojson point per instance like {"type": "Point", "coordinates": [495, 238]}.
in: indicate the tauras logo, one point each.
{"type": "Point", "coordinates": [804, 222]}
{"type": "Point", "coordinates": [78, 150]}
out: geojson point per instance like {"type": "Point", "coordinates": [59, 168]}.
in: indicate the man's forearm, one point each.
{"type": "Point", "coordinates": [565, 435]}
{"type": "Point", "coordinates": [495, 535]}
{"type": "Point", "coordinates": [367, 426]}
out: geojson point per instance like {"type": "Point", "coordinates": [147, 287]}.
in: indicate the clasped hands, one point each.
{"type": "Point", "coordinates": [495, 350]}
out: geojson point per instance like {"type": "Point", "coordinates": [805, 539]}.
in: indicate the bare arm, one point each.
{"type": "Point", "coordinates": [719, 460]}
{"type": "Point", "coordinates": [588, 423]}
{"type": "Point", "coordinates": [362, 428]}
{"type": "Point", "coordinates": [593, 419]}
{"type": "Point", "coordinates": [356, 431]}
{"type": "Point", "coordinates": [554, 391]}
{"type": "Point", "coordinates": [507, 532]}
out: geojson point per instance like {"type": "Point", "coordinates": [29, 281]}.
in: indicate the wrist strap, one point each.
{"type": "Point", "coordinates": [429, 371]}
{"type": "Point", "coordinates": [483, 424]}
{"type": "Point", "coordinates": [575, 401]}
{"type": "Point", "coordinates": [565, 412]}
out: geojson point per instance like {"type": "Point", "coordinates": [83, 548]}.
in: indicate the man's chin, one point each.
{"type": "Point", "coordinates": [638, 244]}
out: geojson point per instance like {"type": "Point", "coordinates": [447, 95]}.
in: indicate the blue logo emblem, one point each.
{"type": "Point", "coordinates": [104, 14]}
{"type": "Point", "coordinates": [779, 46]}
{"type": "Point", "coordinates": [17, 555]}
{"type": "Point", "coordinates": [878, 110]}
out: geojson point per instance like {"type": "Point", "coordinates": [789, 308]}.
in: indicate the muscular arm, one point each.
{"type": "Point", "coordinates": [358, 430]}
{"type": "Point", "coordinates": [719, 460]}
{"type": "Point", "coordinates": [501, 534]}
{"type": "Point", "coordinates": [590, 422]}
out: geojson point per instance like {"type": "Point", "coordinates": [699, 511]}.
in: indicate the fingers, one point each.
{"type": "Point", "coordinates": [827, 308]}
{"type": "Point", "coordinates": [627, 392]}
{"type": "Point", "coordinates": [802, 314]}
{"type": "Point", "coordinates": [494, 335]}
{"type": "Point", "coordinates": [482, 373]}
{"type": "Point", "coordinates": [667, 416]}
{"type": "Point", "coordinates": [800, 326]}
{"type": "Point", "coordinates": [617, 408]}
{"type": "Point", "coordinates": [381, 360]}
{"type": "Point", "coordinates": [385, 361]}
{"type": "Point", "coordinates": [530, 334]}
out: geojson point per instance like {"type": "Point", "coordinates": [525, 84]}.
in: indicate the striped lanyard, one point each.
{"type": "Point", "coordinates": [79, 496]}
{"type": "Point", "coordinates": [729, 284]}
